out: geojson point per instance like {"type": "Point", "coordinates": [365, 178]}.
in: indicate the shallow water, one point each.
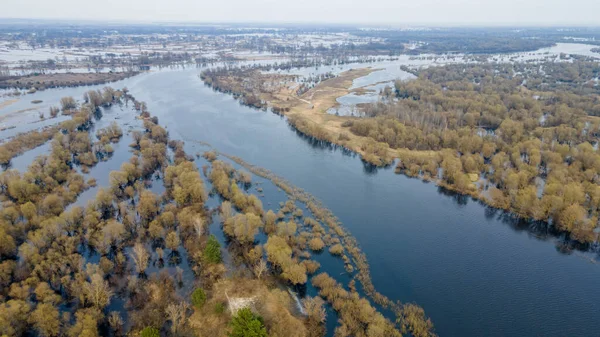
{"type": "Point", "coordinates": [475, 271]}
{"type": "Point", "coordinates": [347, 103]}
{"type": "Point", "coordinates": [22, 161]}
{"type": "Point", "coordinates": [125, 115]}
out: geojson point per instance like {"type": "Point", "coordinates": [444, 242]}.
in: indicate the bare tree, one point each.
{"type": "Point", "coordinates": [97, 291]}
{"type": "Point", "coordinates": [172, 241]}
{"type": "Point", "coordinates": [160, 253]}
{"type": "Point", "coordinates": [137, 137]}
{"type": "Point", "coordinates": [226, 210]}
{"type": "Point", "coordinates": [176, 314]}
{"type": "Point", "coordinates": [179, 274]}
{"type": "Point", "coordinates": [260, 268]}
{"type": "Point", "coordinates": [199, 226]}
{"type": "Point", "coordinates": [54, 111]}
{"type": "Point", "coordinates": [115, 321]}
{"type": "Point", "coordinates": [314, 308]}
{"type": "Point", "coordinates": [140, 257]}
{"type": "Point", "coordinates": [68, 103]}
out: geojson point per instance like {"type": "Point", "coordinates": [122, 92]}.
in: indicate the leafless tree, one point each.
{"type": "Point", "coordinates": [314, 308]}
{"type": "Point", "coordinates": [260, 268]}
{"type": "Point", "coordinates": [160, 252]}
{"type": "Point", "coordinates": [97, 291]}
{"type": "Point", "coordinates": [199, 226]}
{"type": "Point", "coordinates": [176, 314]}
{"type": "Point", "coordinates": [140, 257]}
{"type": "Point", "coordinates": [179, 274]}
{"type": "Point", "coordinates": [115, 321]}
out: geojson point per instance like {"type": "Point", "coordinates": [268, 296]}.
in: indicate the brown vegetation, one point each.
{"type": "Point", "coordinates": [51, 242]}
{"type": "Point", "coordinates": [23, 142]}
{"type": "Point", "coordinates": [53, 80]}
{"type": "Point", "coordinates": [357, 316]}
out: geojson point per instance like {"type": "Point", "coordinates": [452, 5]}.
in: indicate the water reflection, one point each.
{"type": "Point", "coordinates": [540, 230]}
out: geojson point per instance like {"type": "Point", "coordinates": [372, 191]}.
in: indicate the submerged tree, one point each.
{"type": "Point", "coordinates": [97, 291]}
{"type": "Point", "coordinates": [140, 257]}
{"type": "Point", "coordinates": [412, 319]}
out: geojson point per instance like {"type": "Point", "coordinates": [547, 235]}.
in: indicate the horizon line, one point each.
{"type": "Point", "coordinates": [305, 23]}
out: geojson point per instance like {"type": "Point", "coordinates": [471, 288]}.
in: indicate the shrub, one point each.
{"type": "Point", "coordinates": [219, 308]}
{"type": "Point", "coordinates": [212, 251]}
{"type": "Point", "coordinates": [316, 244]}
{"type": "Point", "coordinates": [412, 319]}
{"type": "Point", "coordinates": [343, 136]}
{"type": "Point", "coordinates": [210, 155]}
{"type": "Point", "coordinates": [246, 324]}
{"type": "Point", "coordinates": [336, 249]}
{"type": "Point", "coordinates": [150, 332]}
{"type": "Point", "coordinates": [68, 103]}
{"type": "Point", "coordinates": [198, 298]}
{"type": "Point", "coordinates": [54, 111]}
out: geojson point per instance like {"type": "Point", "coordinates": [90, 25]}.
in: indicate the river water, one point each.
{"type": "Point", "coordinates": [475, 271]}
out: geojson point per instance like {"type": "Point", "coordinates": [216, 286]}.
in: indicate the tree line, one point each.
{"type": "Point", "coordinates": [522, 137]}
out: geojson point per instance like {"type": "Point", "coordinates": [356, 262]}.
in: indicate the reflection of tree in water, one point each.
{"type": "Point", "coordinates": [323, 144]}
{"type": "Point", "coordinates": [174, 258]}
{"type": "Point", "coordinates": [158, 243]}
{"type": "Point", "coordinates": [98, 114]}
{"type": "Point", "coordinates": [540, 230]}
{"type": "Point", "coordinates": [564, 247]}
{"type": "Point", "coordinates": [369, 168]}
{"type": "Point", "coordinates": [460, 199]}
{"type": "Point", "coordinates": [300, 290]}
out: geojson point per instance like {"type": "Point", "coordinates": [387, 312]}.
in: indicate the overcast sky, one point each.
{"type": "Point", "coordinates": [396, 12]}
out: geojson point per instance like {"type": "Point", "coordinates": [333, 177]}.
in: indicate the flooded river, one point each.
{"type": "Point", "coordinates": [475, 271]}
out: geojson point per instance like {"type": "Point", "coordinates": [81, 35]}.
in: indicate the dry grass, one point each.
{"type": "Point", "coordinates": [312, 107]}
{"type": "Point", "coordinates": [273, 304]}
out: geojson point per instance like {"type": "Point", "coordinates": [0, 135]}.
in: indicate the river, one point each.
{"type": "Point", "coordinates": [475, 271]}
